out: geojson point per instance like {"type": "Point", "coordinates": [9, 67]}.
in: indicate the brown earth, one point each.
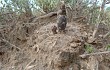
{"type": "Point", "coordinates": [39, 49]}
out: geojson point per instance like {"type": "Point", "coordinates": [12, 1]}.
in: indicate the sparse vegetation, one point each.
{"type": "Point", "coordinates": [108, 47]}
{"type": "Point", "coordinates": [27, 43]}
{"type": "Point", "coordinates": [89, 48]}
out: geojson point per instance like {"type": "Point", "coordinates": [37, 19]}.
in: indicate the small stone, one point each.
{"type": "Point", "coordinates": [73, 45]}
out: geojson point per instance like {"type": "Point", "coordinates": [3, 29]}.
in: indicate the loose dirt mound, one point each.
{"type": "Point", "coordinates": [57, 51]}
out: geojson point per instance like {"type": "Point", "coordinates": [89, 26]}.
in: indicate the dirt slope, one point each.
{"type": "Point", "coordinates": [57, 51]}
{"type": "Point", "coordinates": [43, 50]}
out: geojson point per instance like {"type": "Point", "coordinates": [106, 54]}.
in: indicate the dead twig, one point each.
{"type": "Point", "coordinates": [7, 13]}
{"type": "Point", "coordinates": [1, 26]}
{"type": "Point", "coordinates": [28, 65]}
{"type": "Point", "coordinates": [95, 30]}
{"type": "Point", "coordinates": [97, 53]}
{"type": "Point", "coordinates": [99, 18]}
{"type": "Point", "coordinates": [107, 34]}
{"type": "Point", "coordinates": [53, 44]}
{"type": "Point", "coordinates": [11, 44]}
{"type": "Point", "coordinates": [49, 15]}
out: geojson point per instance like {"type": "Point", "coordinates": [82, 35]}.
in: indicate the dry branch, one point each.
{"type": "Point", "coordinates": [1, 26]}
{"type": "Point", "coordinates": [7, 13]}
{"type": "Point", "coordinates": [49, 15]}
{"type": "Point", "coordinates": [99, 17]}
{"type": "Point", "coordinates": [29, 64]}
{"type": "Point", "coordinates": [11, 44]}
{"type": "Point", "coordinates": [107, 34]}
{"type": "Point", "coordinates": [91, 54]}
{"type": "Point", "coordinates": [30, 67]}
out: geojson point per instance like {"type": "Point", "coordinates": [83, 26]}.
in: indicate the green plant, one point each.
{"type": "Point", "coordinates": [89, 48]}
{"type": "Point", "coordinates": [108, 47]}
{"type": "Point", "coordinates": [47, 5]}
